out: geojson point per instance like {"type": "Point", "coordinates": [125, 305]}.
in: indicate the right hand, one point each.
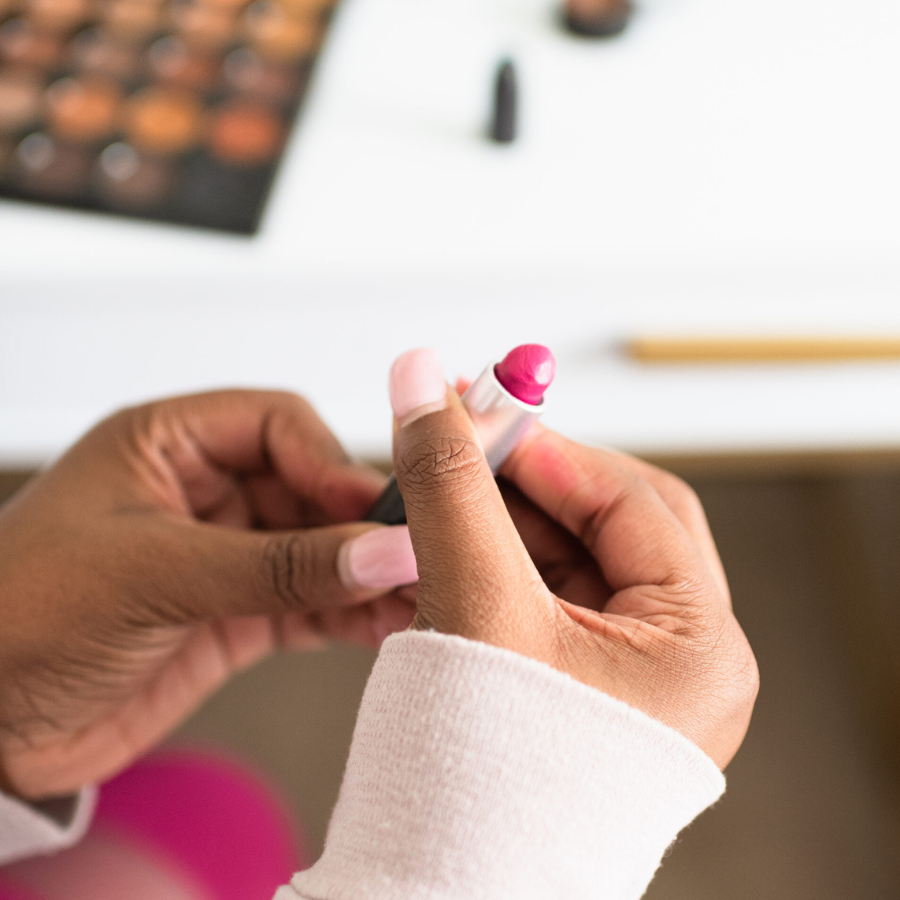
{"type": "Point", "coordinates": [606, 569]}
{"type": "Point", "coordinates": [173, 545]}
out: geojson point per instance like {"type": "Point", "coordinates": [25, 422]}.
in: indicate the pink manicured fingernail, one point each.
{"type": "Point", "coordinates": [417, 385]}
{"type": "Point", "coordinates": [380, 558]}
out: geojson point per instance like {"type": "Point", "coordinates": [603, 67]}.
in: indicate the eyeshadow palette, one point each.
{"type": "Point", "coordinates": [174, 110]}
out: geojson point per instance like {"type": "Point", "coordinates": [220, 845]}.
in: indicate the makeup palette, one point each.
{"type": "Point", "coordinates": [173, 110]}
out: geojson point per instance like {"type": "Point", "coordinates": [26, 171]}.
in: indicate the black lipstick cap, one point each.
{"type": "Point", "coordinates": [506, 100]}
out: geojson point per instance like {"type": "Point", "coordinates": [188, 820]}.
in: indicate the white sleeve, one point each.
{"type": "Point", "coordinates": [476, 773]}
{"type": "Point", "coordinates": [30, 829]}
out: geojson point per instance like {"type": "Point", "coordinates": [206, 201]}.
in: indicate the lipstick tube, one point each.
{"type": "Point", "coordinates": [500, 420]}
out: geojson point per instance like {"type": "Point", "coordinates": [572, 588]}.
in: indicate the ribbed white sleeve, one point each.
{"type": "Point", "coordinates": [476, 773]}
{"type": "Point", "coordinates": [30, 829]}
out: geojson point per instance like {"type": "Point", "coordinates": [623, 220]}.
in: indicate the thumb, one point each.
{"type": "Point", "coordinates": [194, 571]}
{"type": "Point", "coordinates": [474, 571]}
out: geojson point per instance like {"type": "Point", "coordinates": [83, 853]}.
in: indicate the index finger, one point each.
{"type": "Point", "coordinates": [684, 503]}
{"type": "Point", "coordinates": [625, 524]}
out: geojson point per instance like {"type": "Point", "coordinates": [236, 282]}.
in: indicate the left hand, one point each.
{"type": "Point", "coordinates": [175, 544]}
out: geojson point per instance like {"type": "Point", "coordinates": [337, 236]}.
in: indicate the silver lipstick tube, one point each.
{"type": "Point", "coordinates": [500, 419]}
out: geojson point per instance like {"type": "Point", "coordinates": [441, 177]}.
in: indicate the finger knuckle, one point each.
{"type": "Point", "coordinates": [728, 660]}
{"type": "Point", "coordinates": [444, 462]}
{"type": "Point", "coordinates": [125, 425]}
{"type": "Point", "coordinates": [290, 402]}
{"type": "Point", "coordinates": [623, 489]}
{"type": "Point", "coordinates": [289, 570]}
{"type": "Point", "coordinates": [680, 493]}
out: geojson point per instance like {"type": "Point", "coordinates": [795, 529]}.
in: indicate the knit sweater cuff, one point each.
{"type": "Point", "coordinates": [32, 829]}
{"type": "Point", "coordinates": [477, 773]}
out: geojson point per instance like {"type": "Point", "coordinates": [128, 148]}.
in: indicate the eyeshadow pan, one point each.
{"type": "Point", "coordinates": [245, 133]}
{"type": "Point", "coordinates": [133, 18]}
{"type": "Point", "coordinates": [172, 61]}
{"type": "Point", "coordinates": [248, 73]}
{"type": "Point", "coordinates": [93, 50]}
{"type": "Point", "coordinates": [21, 42]}
{"type": "Point", "coordinates": [58, 15]}
{"type": "Point", "coordinates": [293, 39]}
{"type": "Point", "coordinates": [202, 24]}
{"type": "Point", "coordinates": [128, 179]}
{"type": "Point", "coordinates": [50, 168]}
{"type": "Point", "coordinates": [82, 109]}
{"type": "Point", "coordinates": [264, 15]}
{"type": "Point", "coordinates": [20, 100]}
{"type": "Point", "coordinates": [277, 35]}
{"type": "Point", "coordinates": [163, 120]}
{"type": "Point", "coordinates": [36, 152]}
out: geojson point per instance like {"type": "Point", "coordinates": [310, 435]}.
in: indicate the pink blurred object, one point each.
{"type": "Point", "coordinates": [209, 816]}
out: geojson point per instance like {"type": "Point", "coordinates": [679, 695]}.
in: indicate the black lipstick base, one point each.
{"type": "Point", "coordinates": [389, 508]}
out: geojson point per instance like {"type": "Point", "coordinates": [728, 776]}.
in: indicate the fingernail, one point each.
{"type": "Point", "coordinates": [380, 558]}
{"type": "Point", "coordinates": [417, 385]}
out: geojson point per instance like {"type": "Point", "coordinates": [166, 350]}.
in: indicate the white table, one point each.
{"type": "Point", "coordinates": [724, 168]}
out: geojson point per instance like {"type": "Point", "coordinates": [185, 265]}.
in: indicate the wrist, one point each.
{"type": "Point", "coordinates": [456, 739]}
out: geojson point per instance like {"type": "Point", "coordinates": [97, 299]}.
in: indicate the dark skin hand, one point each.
{"type": "Point", "coordinates": [182, 541]}
{"type": "Point", "coordinates": [590, 561]}
{"type": "Point", "coordinates": [174, 545]}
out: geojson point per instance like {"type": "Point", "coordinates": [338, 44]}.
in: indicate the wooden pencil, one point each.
{"type": "Point", "coordinates": [760, 349]}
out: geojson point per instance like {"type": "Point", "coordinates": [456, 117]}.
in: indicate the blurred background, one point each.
{"type": "Point", "coordinates": [692, 202]}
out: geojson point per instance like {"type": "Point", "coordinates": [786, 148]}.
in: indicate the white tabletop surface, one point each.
{"type": "Point", "coordinates": [723, 168]}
